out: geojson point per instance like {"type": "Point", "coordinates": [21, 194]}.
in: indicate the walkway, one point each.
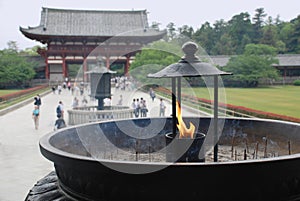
{"type": "Point", "coordinates": [21, 163]}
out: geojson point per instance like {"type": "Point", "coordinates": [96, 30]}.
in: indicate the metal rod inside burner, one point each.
{"type": "Point", "coordinates": [174, 105]}
{"type": "Point", "coordinates": [216, 118]}
{"type": "Point", "coordinates": [179, 90]}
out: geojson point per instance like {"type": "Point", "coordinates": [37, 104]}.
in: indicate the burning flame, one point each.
{"type": "Point", "coordinates": [184, 132]}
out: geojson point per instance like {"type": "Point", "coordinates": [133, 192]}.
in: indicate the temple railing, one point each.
{"type": "Point", "coordinates": [81, 115]}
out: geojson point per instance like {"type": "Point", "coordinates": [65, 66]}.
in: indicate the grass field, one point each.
{"type": "Point", "coordinates": [283, 100]}
{"type": "Point", "coordinates": [4, 92]}
{"type": "Point", "coordinates": [19, 99]}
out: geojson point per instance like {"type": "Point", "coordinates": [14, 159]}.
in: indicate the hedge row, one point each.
{"type": "Point", "coordinates": [14, 95]}
{"type": "Point", "coordinates": [240, 109]}
{"type": "Point", "coordinates": [296, 82]}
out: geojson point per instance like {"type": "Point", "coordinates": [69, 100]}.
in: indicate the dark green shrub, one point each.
{"type": "Point", "coordinates": [296, 82]}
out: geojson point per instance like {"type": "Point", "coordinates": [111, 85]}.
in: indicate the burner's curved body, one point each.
{"type": "Point", "coordinates": [84, 175]}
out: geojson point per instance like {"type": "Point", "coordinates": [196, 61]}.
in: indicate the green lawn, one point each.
{"type": "Point", "coordinates": [19, 99]}
{"type": "Point", "coordinates": [4, 92]}
{"type": "Point", "coordinates": [283, 100]}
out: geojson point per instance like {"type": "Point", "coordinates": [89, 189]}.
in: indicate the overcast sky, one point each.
{"type": "Point", "coordinates": [15, 13]}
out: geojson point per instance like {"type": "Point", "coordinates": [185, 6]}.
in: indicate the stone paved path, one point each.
{"type": "Point", "coordinates": [21, 163]}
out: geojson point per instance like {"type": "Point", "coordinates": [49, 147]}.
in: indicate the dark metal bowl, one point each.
{"type": "Point", "coordinates": [184, 149]}
{"type": "Point", "coordinates": [83, 177]}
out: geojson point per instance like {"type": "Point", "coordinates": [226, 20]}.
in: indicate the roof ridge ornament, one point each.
{"type": "Point", "coordinates": [45, 20]}
{"type": "Point", "coordinates": [189, 49]}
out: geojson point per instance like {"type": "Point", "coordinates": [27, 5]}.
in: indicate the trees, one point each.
{"type": "Point", "coordinates": [12, 46]}
{"type": "Point", "coordinates": [231, 37]}
{"type": "Point", "coordinates": [186, 30]}
{"type": "Point", "coordinates": [30, 51]}
{"type": "Point", "coordinates": [160, 53]}
{"type": "Point", "coordinates": [171, 30]}
{"type": "Point", "coordinates": [241, 31]}
{"type": "Point", "coordinates": [224, 46]}
{"type": "Point", "coordinates": [269, 36]}
{"type": "Point", "coordinates": [294, 40]}
{"type": "Point", "coordinates": [204, 36]}
{"type": "Point", "coordinates": [254, 64]}
{"type": "Point", "coordinates": [15, 70]}
{"type": "Point", "coordinates": [152, 59]}
{"type": "Point", "coordinates": [258, 20]}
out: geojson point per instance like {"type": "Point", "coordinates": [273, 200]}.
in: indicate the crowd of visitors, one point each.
{"type": "Point", "coordinates": [73, 88]}
{"type": "Point", "coordinates": [124, 83]}
{"type": "Point", "coordinates": [79, 91]}
{"type": "Point", "coordinates": [65, 87]}
{"type": "Point", "coordinates": [139, 107]}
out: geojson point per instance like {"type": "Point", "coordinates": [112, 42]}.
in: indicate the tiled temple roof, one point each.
{"type": "Point", "coordinates": [288, 60]}
{"type": "Point", "coordinates": [66, 22]}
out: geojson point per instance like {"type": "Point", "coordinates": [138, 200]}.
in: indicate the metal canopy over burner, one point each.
{"type": "Point", "coordinates": [188, 66]}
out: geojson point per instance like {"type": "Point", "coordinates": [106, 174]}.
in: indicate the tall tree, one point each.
{"type": "Point", "coordinates": [171, 31]}
{"type": "Point", "coordinates": [258, 20]}
{"type": "Point", "coordinates": [254, 64]}
{"type": "Point", "coordinates": [240, 29]}
{"type": "Point", "coordinates": [13, 46]}
{"type": "Point", "coordinates": [186, 30]}
{"type": "Point", "coordinates": [204, 36]}
{"type": "Point", "coordinates": [223, 46]}
{"type": "Point", "coordinates": [220, 28]}
{"type": "Point", "coordinates": [294, 40]}
{"type": "Point", "coordinates": [269, 36]}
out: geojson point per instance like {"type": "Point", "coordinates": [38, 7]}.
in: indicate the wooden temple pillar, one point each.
{"type": "Point", "coordinates": [47, 74]}
{"type": "Point", "coordinates": [44, 55]}
{"type": "Point", "coordinates": [127, 65]}
{"type": "Point", "coordinates": [284, 74]}
{"type": "Point", "coordinates": [64, 67]}
{"type": "Point", "coordinates": [85, 69]}
{"type": "Point", "coordinates": [107, 62]}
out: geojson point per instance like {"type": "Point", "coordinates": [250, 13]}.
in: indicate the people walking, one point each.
{"type": "Point", "coordinates": [162, 108]}
{"type": "Point", "coordinates": [143, 108]}
{"type": "Point", "coordinates": [37, 100]}
{"type": "Point", "coordinates": [59, 88]}
{"type": "Point", "coordinates": [120, 101]}
{"type": "Point", "coordinates": [60, 109]}
{"type": "Point", "coordinates": [134, 107]}
{"type": "Point", "coordinates": [75, 103]}
{"type": "Point", "coordinates": [36, 116]}
{"type": "Point", "coordinates": [53, 89]}
{"type": "Point", "coordinates": [69, 85]}
{"type": "Point", "coordinates": [152, 94]}
{"type": "Point", "coordinates": [59, 123]}
{"type": "Point", "coordinates": [137, 107]}
{"type": "Point", "coordinates": [84, 101]}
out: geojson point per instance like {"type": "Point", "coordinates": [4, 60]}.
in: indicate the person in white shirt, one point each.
{"type": "Point", "coordinates": [162, 108]}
